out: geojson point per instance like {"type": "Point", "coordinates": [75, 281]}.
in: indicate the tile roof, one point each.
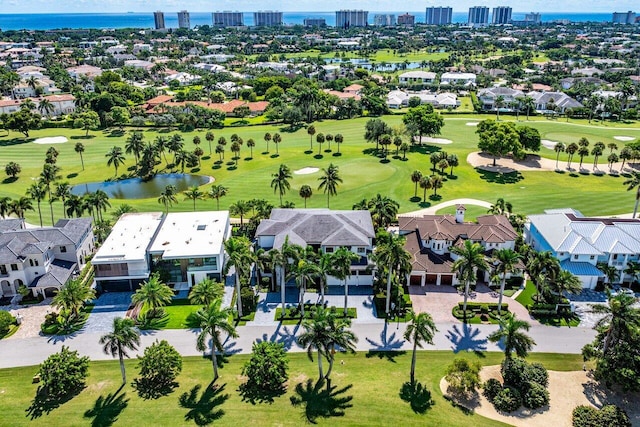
{"type": "Point", "coordinates": [424, 259]}
{"type": "Point", "coordinates": [490, 228]}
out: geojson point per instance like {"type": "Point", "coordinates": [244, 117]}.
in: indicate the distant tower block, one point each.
{"type": "Point", "coordinates": [158, 18]}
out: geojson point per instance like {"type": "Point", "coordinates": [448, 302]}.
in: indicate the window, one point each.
{"type": "Point", "coordinates": [3, 269]}
{"type": "Point", "coordinates": [592, 257]}
{"type": "Point", "coordinates": [615, 256]}
{"type": "Point", "coordinates": [14, 267]}
{"type": "Point", "coordinates": [35, 261]}
{"type": "Point", "coordinates": [328, 250]}
{"type": "Point", "coordinates": [63, 249]}
{"type": "Point", "coordinates": [575, 256]}
{"type": "Point", "coordinates": [31, 262]}
{"type": "Point", "coordinates": [361, 250]}
{"type": "Point", "coordinates": [561, 254]}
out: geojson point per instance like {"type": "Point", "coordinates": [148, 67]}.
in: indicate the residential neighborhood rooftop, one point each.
{"type": "Point", "coordinates": [129, 238]}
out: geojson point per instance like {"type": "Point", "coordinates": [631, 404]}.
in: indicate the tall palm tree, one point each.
{"type": "Point", "coordinates": [194, 194]}
{"type": "Point", "coordinates": [470, 258]}
{"type": "Point", "coordinates": [79, 148]}
{"type": "Point", "coordinates": [100, 202]}
{"type": "Point", "coordinates": [621, 318]}
{"type": "Point", "coordinates": [153, 294]}
{"type": "Point", "coordinates": [280, 182]}
{"type": "Point", "coordinates": [505, 261]}
{"type": "Point", "coordinates": [498, 104]}
{"type": "Point", "coordinates": [501, 207]}
{"type": "Point", "coordinates": [205, 292]}
{"type": "Point", "coordinates": [45, 107]}
{"type": "Point", "coordinates": [217, 192]}
{"type": "Point", "coordinates": [513, 338]}
{"type": "Point", "coordinates": [416, 176]}
{"type": "Point", "coordinates": [214, 319]}
{"type": "Point", "coordinates": [610, 272]}
{"type": "Point", "coordinates": [5, 206]}
{"type": "Point", "coordinates": [392, 256]}
{"type": "Point", "coordinates": [571, 151]}
{"type": "Point", "coordinates": [251, 143]}
{"type": "Point", "coordinates": [311, 130]}
{"type": "Point", "coordinates": [339, 336]}
{"type": "Point", "coordinates": [329, 181]}
{"type": "Point", "coordinates": [633, 270]}
{"type": "Point", "coordinates": [134, 145]}
{"type": "Point", "coordinates": [123, 336]}
{"type": "Point", "coordinates": [289, 255]}
{"type": "Point", "coordinates": [565, 281]}
{"type": "Point", "coordinates": [596, 151]}
{"type": "Point", "coordinates": [631, 183]}
{"type": "Point", "coordinates": [528, 104]}
{"type": "Point", "coordinates": [240, 257]}
{"type": "Point", "coordinates": [341, 261]}
{"type": "Point", "coordinates": [168, 197]}
{"type": "Point", "coordinates": [277, 139]}
{"type": "Point", "coordinates": [38, 192]}
{"type": "Point", "coordinates": [240, 208]}
{"type": "Point", "coordinates": [421, 329]}
{"type": "Point", "coordinates": [72, 296]}
{"type": "Point", "coordinates": [20, 206]}
{"type": "Point", "coordinates": [210, 137]}
{"type": "Point", "coordinates": [306, 192]}
{"type": "Point", "coordinates": [175, 145]}
{"type": "Point", "coordinates": [559, 148]}
{"type": "Point", "coordinates": [316, 336]}
{"type": "Point", "coordinates": [305, 271]}
{"type": "Point", "coordinates": [62, 192]}
{"type": "Point", "coordinates": [267, 138]}
{"type": "Point", "coordinates": [383, 210]}
{"type": "Point", "coordinates": [115, 158]}
{"type": "Point", "coordinates": [436, 182]}
{"type": "Point", "coordinates": [339, 139]}
{"type": "Point", "coordinates": [425, 184]}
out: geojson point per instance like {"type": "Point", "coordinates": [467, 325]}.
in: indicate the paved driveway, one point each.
{"type": "Point", "coordinates": [440, 300]}
{"type": "Point", "coordinates": [108, 306]}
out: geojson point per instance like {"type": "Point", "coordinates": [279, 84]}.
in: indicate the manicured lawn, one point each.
{"type": "Point", "coordinates": [367, 387]}
{"type": "Point", "coordinates": [179, 313]}
{"type": "Point", "coordinates": [362, 172]}
{"type": "Point", "coordinates": [526, 296]}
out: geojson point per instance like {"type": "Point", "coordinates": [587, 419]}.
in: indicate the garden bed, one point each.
{"type": "Point", "coordinates": [479, 312]}
{"type": "Point", "coordinates": [293, 316]}
{"type": "Point", "coordinates": [400, 314]}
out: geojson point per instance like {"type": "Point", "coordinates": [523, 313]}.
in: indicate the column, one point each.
{"type": "Point", "coordinates": [423, 279]}
{"type": "Point", "coordinates": [438, 279]}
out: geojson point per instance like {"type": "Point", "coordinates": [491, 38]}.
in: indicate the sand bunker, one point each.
{"type": "Point", "coordinates": [549, 144]}
{"type": "Point", "coordinates": [429, 140]}
{"type": "Point", "coordinates": [305, 171]}
{"type": "Point", "coordinates": [624, 138]}
{"type": "Point", "coordinates": [472, 124]}
{"type": "Point", "coordinates": [51, 140]}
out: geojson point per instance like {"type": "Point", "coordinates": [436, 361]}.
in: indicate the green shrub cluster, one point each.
{"type": "Point", "coordinates": [6, 320]}
{"type": "Point", "coordinates": [63, 373]}
{"type": "Point", "coordinates": [507, 400]}
{"type": "Point", "coordinates": [524, 384]}
{"type": "Point", "coordinates": [608, 415]}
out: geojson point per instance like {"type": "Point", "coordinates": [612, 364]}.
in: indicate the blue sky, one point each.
{"type": "Point", "coordinates": [115, 6]}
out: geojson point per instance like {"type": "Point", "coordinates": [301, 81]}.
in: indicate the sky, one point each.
{"type": "Point", "coordinates": [121, 6]}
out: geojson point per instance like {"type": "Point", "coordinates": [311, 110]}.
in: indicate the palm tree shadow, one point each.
{"type": "Point", "coordinates": [417, 396]}
{"type": "Point", "coordinates": [388, 347]}
{"type": "Point", "coordinates": [466, 339]}
{"type": "Point", "coordinates": [106, 409]}
{"type": "Point", "coordinates": [204, 410]}
{"type": "Point", "coordinates": [320, 401]}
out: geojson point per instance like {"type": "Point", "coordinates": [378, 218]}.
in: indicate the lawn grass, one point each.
{"type": "Point", "coordinates": [180, 314]}
{"type": "Point", "coordinates": [526, 296]}
{"type": "Point", "coordinates": [369, 383]}
{"type": "Point", "coordinates": [12, 330]}
{"type": "Point", "coordinates": [362, 172]}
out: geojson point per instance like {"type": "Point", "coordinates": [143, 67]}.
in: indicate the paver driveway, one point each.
{"type": "Point", "coordinates": [108, 306]}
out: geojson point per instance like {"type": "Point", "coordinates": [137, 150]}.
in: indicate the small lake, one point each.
{"type": "Point", "coordinates": [136, 188]}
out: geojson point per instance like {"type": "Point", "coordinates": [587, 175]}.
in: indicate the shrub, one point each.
{"type": "Point", "coordinates": [266, 371]}
{"type": "Point", "coordinates": [507, 400]}
{"type": "Point", "coordinates": [514, 373]}
{"type": "Point", "coordinates": [159, 366]}
{"type": "Point", "coordinates": [463, 376]}
{"type": "Point", "coordinates": [613, 416]}
{"type": "Point", "coordinates": [248, 300]}
{"type": "Point", "coordinates": [537, 373]}
{"type": "Point", "coordinates": [63, 373]}
{"type": "Point", "coordinates": [491, 388]}
{"type": "Point", "coordinates": [609, 415]}
{"type": "Point", "coordinates": [536, 396]}
{"type": "Point", "coordinates": [6, 320]}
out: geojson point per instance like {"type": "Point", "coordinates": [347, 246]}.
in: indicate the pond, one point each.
{"type": "Point", "coordinates": [136, 188]}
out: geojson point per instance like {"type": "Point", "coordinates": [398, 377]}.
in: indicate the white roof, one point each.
{"type": "Point", "coordinates": [191, 235]}
{"type": "Point", "coordinates": [418, 75]}
{"type": "Point", "coordinates": [458, 76]}
{"type": "Point", "coordinates": [129, 238]}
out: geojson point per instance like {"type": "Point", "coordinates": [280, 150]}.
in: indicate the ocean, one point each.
{"type": "Point", "coordinates": [49, 21]}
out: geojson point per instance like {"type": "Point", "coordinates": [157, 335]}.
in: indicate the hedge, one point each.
{"type": "Point", "coordinates": [477, 306]}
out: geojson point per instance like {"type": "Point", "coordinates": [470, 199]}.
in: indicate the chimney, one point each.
{"type": "Point", "coordinates": [460, 213]}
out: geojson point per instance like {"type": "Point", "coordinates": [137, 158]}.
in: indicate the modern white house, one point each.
{"type": "Point", "coordinates": [325, 231]}
{"type": "Point", "coordinates": [429, 239]}
{"type": "Point", "coordinates": [45, 258]}
{"type": "Point", "coordinates": [411, 78]}
{"type": "Point", "coordinates": [465, 79]}
{"type": "Point", "coordinates": [581, 242]}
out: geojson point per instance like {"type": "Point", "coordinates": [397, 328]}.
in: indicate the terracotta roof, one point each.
{"type": "Point", "coordinates": [490, 228]}
{"type": "Point", "coordinates": [424, 259]}
{"type": "Point", "coordinates": [226, 107]}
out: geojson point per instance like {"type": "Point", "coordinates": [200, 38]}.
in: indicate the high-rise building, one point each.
{"type": "Point", "coordinates": [406, 19]}
{"type": "Point", "coordinates": [501, 15]}
{"type": "Point", "coordinates": [533, 18]}
{"type": "Point", "coordinates": [384, 20]}
{"type": "Point", "coordinates": [158, 18]}
{"type": "Point", "coordinates": [351, 18]}
{"type": "Point", "coordinates": [267, 18]}
{"type": "Point", "coordinates": [228, 19]}
{"type": "Point", "coordinates": [478, 15]}
{"type": "Point", "coordinates": [624, 17]}
{"type": "Point", "coordinates": [438, 16]}
{"type": "Point", "coordinates": [315, 22]}
{"type": "Point", "coordinates": [184, 21]}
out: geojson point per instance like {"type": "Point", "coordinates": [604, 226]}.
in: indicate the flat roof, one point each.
{"type": "Point", "coordinates": [129, 238]}
{"type": "Point", "coordinates": [191, 234]}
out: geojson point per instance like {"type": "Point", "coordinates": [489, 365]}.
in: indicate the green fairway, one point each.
{"type": "Point", "coordinates": [363, 173]}
{"type": "Point", "coordinates": [367, 387]}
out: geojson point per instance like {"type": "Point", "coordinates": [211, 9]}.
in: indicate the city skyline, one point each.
{"type": "Point", "coordinates": [122, 6]}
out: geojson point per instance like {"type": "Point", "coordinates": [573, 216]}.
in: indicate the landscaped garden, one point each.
{"type": "Point", "coordinates": [479, 312]}
{"type": "Point", "coordinates": [293, 315]}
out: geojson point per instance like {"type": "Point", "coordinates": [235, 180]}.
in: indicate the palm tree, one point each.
{"type": "Point", "coordinates": [505, 261]}
{"type": "Point", "coordinates": [436, 182]}
{"type": "Point", "coordinates": [529, 104]}
{"type": "Point", "coordinates": [316, 336]}
{"type": "Point", "coordinates": [311, 130]}
{"type": "Point", "coordinates": [571, 150]}
{"type": "Point", "coordinates": [240, 208]}
{"type": "Point", "coordinates": [210, 137]}
{"type": "Point", "coordinates": [306, 270]}
{"type": "Point", "coordinates": [320, 140]}
{"type": "Point", "coordinates": [329, 181]}
{"type": "Point", "coordinates": [235, 149]}
{"type": "Point", "coordinates": [123, 336]}
{"type": "Point", "coordinates": [134, 145]}
{"type": "Point", "coordinates": [280, 181]}
{"type": "Point", "coordinates": [498, 104]}
{"type": "Point", "coordinates": [631, 183]}
{"type": "Point", "coordinates": [205, 292]}
{"type": "Point", "coordinates": [339, 139]}
{"type": "Point", "coordinates": [305, 192]}
{"type": "Point", "coordinates": [391, 255]}
{"type": "Point", "coordinates": [168, 197]}
{"type": "Point", "coordinates": [240, 257]}
{"type": "Point", "coordinates": [416, 176]}
{"type": "Point", "coordinates": [100, 202]}
{"type": "Point", "coordinates": [513, 338]}
{"type": "Point", "coordinates": [470, 258]}
{"type": "Point", "coordinates": [610, 272]}
{"type": "Point", "coordinates": [596, 151]}
{"type": "Point", "coordinates": [633, 270]}
{"type": "Point", "coordinates": [565, 281]}
{"type": "Point", "coordinates": [425, 184]}
{"type": "Point", "coordinates": [214, 319]}
{"type": "Point", "coordinates": [277, 139]}
{"type": "Point", "coordinates": [421, 329]}
{"type": "Point", "coordinates": [582, 152]}
{"type": "Point", "coordinates": [5, 206]}
{"type": "Point", "coordinates": [621, 318]}
{"type": "Point", "coordinates": [45, 107]}
{"type": "Point", "coordinates": [62, 192]}
{"type": "Point", "coordinates": [71, 297]}
{"type": "Point", "coordinates": [267, 138]}
{"type": "Point", "coordinates": [217, 192]}
{"type": "Point", "coordinates": [20, 206]}
{"type": "Point", "coordinates": [194, 194]}
{"type": "Point", "coordinates": [341, 336]}
{"type": "Point", "coordinates": [49, 175]}
{"type": "Point", "coordinates": [251, 143]}
{"type": "Point", "coordinates": [383, 210]}
{"type": "Point", "coordinates": [341, 261]}
{"type": "Point", "coordinates": [289, 253]}
{"type": "Point", "coordinates": [38, 192]}
{"type": "Point", "coordinates": [79, 148]}
{"type": "Point", "coordinates": [501, 207]}
{"type": "Point", "coordinates": [559, 148]}
{"type": "Point", "coordinates": [153, 294]}
{"type": "Point", "coordinates": [175, 145]}
{"type": "Point", "coordinates": [115, 158]}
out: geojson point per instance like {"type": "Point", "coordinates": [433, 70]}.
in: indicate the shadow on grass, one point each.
{"type": "Point", "coordinates": [254, 394]}
{"type": "Point", "coordinates": [72, 175]}
{"type": "Point", "coordinates": [82, 137]}
{"type": "Point", "coordinates": [204, 408]}
{"type": "Point", "coordinates": [307, 152]}
{"type": "Point", "coordinates": [337, 154]}
{"type": "Point", "coordinates": [320, 401]}
{"type": "Point", "coordinates": [417, 396]}
{"type": "Point", "coordinates": [385, 161]}
{"type": "Point", "coordinates": [107, 408]}
{"type": "Point", "coordinates": [10, 180]}
{"type": "Point", "coordinates": [232, 168]}
{"type": "Point", "coordinates": [500, 178]}
{"type": "Point", "coordinates": [15, 141]}
{"type": "Point", "coordinates": [424, 204]}
{"type": "Point", "coordinates": [435, 197]}
{"type": "Point", "coordinates": [149, 389]}
{"type": "Point", "coordinates": [318, 156]}
{"type": "Point", "coordinates": [43, 404]}
{"type": "Point", "coordinates": [274, 156]}
{"type": "Point", "coordinates": [415, 199]}
{"type": "Point", "coordinates": [115, 134]}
